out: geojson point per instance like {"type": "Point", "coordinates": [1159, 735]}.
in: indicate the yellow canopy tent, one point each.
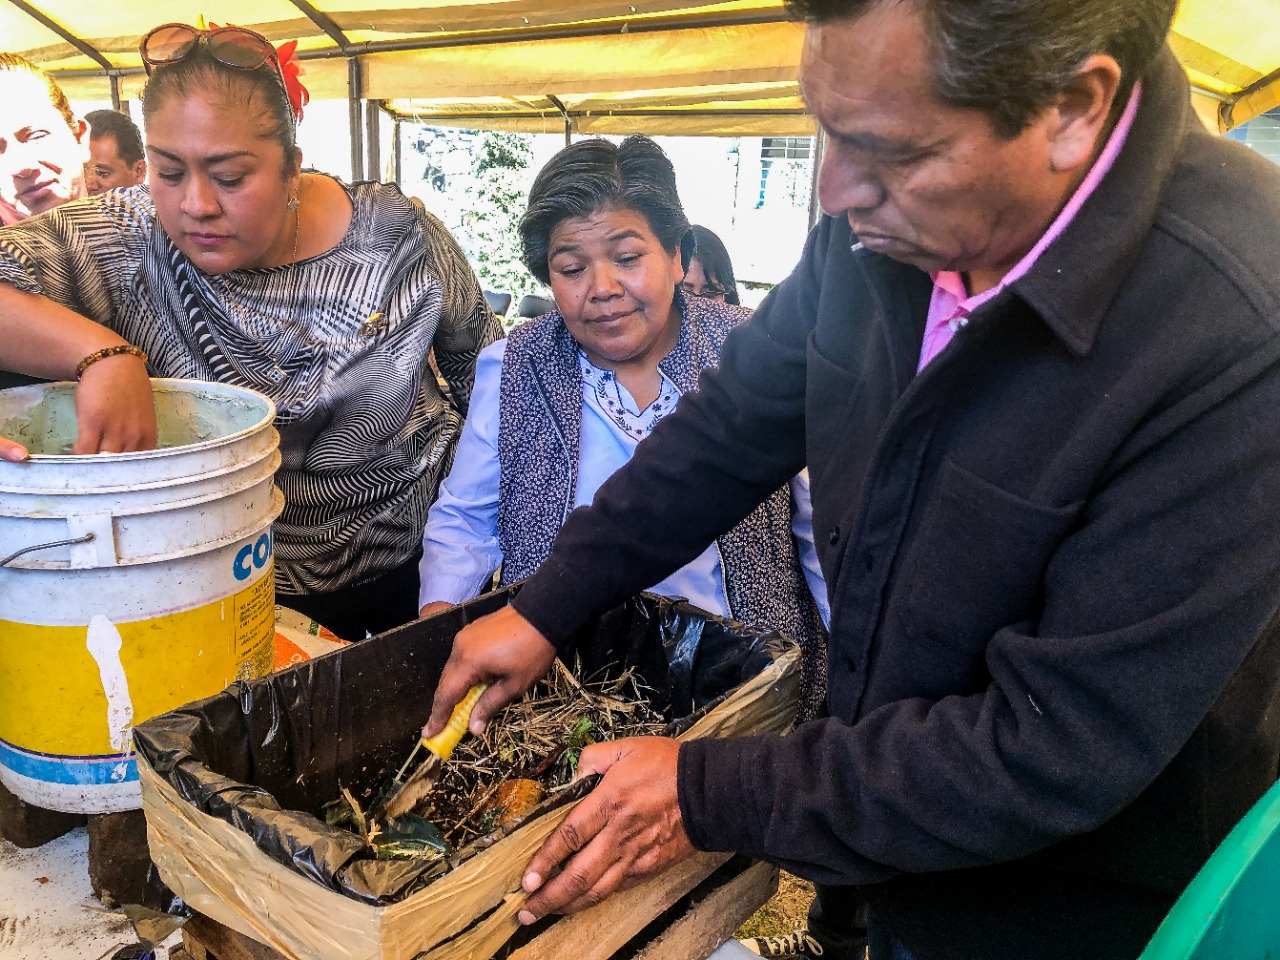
{"type": "Point", "coordinates": [596, 66]}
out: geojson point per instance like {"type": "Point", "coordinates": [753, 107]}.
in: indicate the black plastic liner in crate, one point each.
{"type": "Point", "coordinates": [266, 755]}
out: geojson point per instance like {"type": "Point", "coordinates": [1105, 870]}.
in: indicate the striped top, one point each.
{"type": "Point", "coordinates": [339, 341]}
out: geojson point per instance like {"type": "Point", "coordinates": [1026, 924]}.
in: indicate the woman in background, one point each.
{"type": "Point", "coordinates": [562, 403]}
{"type": "Point", "coordinates": [235, 266]}
{"type": "Point", "coordinates": [710, 272]}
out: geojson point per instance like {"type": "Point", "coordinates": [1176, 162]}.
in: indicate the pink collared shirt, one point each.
{"type": "Point", "coordinates": [950, 304]}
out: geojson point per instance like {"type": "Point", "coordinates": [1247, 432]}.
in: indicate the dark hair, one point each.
{"type": "Point", "coordinates": [13, 63]}
{"type": "Point", "coordinates": [717, 266]}
{"type": "Point", "coordinates": [591, 175]}
{"type": "Point", "coordinates": [1009, 58]}
{"type": "Point", "coordinates": [113, 123]}
{"type": "Point", "coordinates": [200, 73]}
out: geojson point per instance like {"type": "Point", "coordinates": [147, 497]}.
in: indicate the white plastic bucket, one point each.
{"type": "Point", "coordinates": [130, 583]}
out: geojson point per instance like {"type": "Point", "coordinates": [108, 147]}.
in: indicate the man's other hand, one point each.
{"type": "Point", "coordinates": [624, 831]}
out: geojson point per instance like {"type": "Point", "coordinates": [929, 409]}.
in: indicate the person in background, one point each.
{"type": "Point", "coordinates": [232, 265]}
{"type": "Point", "coordinates": [43, 147]}
{"type": "Point", "coordinates": [564, 401]}
{"type": "Point", "coordinates": [1031, 357]}
{"type": "Point", "coordinates": [116, 158]}
{"type": "Point", "coordinates": [710, 275]}
{"type": "Point", "coordinates": [710, 272]}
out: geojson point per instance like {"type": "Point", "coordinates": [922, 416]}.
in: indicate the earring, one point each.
{"type": "Point", "coordinates": [293, 204]}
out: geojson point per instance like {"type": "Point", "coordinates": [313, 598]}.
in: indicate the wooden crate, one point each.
{"type": "Point", "coordinates": [693, 926]}
{"type": "Point", "coordinates": [467, 914]}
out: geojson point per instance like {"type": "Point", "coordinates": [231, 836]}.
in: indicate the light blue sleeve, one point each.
{"type": "Point", "coordinates": [802, 529]}
{"type": "Point", "coordinates": [460, 543]}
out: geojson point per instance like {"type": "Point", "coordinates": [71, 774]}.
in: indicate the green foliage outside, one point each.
{"type": "Point", "coordinates": [477, 183]}
{"type": "Point", "coordinates": [502, 178]}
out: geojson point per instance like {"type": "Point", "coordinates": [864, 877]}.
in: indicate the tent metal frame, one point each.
{"type": "Point", "coordinates": [361, 113]}
{"type": "Point", "coordinates": [363, 116]}
{"type": "Point", "coordinates": [112, 73]}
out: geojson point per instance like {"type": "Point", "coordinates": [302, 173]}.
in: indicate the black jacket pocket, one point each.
{"type": "Point", "coordinates": [975, 564]}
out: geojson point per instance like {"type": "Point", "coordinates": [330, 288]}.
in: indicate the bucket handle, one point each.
{"type": "Point", "coordinates": [87, 538]}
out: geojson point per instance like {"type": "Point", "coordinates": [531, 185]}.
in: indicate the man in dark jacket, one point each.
{"type": "Point", "coordinates": [1030, 360]}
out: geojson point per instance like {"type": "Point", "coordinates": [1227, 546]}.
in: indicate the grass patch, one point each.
{"type": "Point", "coordinates": [788, 910]}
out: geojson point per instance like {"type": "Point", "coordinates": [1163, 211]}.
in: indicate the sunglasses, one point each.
{"type": "Point", "coordinates": [707, 292]}
{"type": "Point", "coordinates": [231, 46]}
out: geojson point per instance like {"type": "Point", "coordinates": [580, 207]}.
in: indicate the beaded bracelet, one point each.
{"type": "Point", "coordinates": [105, 352]}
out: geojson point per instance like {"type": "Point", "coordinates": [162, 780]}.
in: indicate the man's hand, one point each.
{"type": "Point", "coordinates": [504, 651]}
{"type": "Point", "coordinates": [434, 607]}
{"type": "Point", "coordinates": [115, 410]}
{"type": "Point", "coordinates": [624, 831]}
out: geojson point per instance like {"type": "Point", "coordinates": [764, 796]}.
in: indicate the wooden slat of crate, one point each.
{"type": "Point", "coordinates": [715, 914]}
{"type": "Point", "coordinates": [594, 934]}
{"type": "Point", "coordinates": [598, 933]}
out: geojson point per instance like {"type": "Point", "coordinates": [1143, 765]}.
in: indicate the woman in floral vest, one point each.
{"type": "Point", "coordinates": [563, 402]}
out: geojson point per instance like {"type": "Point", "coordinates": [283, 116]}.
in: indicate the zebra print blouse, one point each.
{"type": "Point", "coordinates": [339, 341]}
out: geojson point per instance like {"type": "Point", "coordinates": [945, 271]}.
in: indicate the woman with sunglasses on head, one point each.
{"type": "Point", "coordinates": [236, 266]}
{"type": "Point", "coordinates": [562, 403]}
{"type": "Point", "coordinates": [710, 272]}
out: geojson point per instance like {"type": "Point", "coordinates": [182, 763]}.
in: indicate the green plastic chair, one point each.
{"type": "Point", "coordinates": [1231, 910]}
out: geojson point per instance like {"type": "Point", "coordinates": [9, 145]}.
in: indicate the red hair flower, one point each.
{"type": "Point", "coordinates": [290, 71]}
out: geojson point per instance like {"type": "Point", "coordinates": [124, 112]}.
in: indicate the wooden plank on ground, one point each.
{"type": "Point", "coordinates": [207, 939]}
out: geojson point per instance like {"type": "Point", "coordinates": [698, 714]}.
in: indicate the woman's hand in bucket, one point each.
{"type": "Point", "coordinates": [12, 451]}
{"type": "Point", "coordinates": [115, 410]}
{"type": "Point", "coordinates": [42, 338]}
